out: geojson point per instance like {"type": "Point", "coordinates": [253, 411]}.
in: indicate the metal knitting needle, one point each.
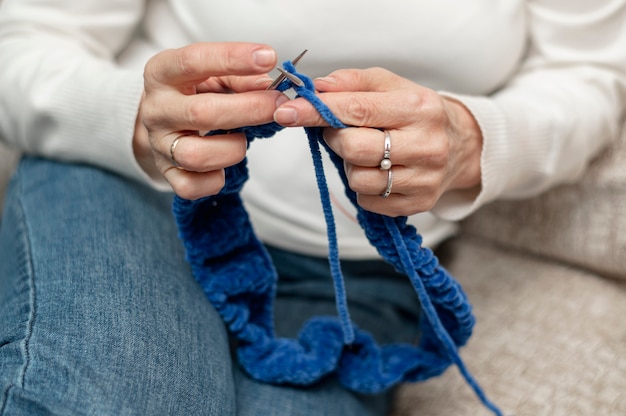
{"type": "Point", "coordinates": [282, 75]}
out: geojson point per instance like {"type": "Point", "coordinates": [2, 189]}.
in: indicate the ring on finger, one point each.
{"type": "Point", "coordinates": [387, 191]}
{"type": "Point", "coordinates": [385, 163]}
{"type": "Point", "coordinates": [173, 150]}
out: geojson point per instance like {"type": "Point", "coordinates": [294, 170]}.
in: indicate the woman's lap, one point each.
{"type": "Point", "coordinates": [99, 313]}
{"type": "Point", "coordinates": [109, 320]}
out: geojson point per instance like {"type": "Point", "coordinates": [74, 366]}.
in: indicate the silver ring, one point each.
{"type": "Point", "coordinates": [389, 184]}
{"type": "Point", "coordinates": [385, 163]}
{"type": "Point", "coordinates": [173, 149]}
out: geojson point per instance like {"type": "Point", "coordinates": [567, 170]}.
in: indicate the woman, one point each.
{"type": "Point", "coordinates": [109, 100]}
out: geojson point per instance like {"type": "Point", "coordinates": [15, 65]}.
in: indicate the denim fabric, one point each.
{"type": "Point", "coordinates": [100, 315]}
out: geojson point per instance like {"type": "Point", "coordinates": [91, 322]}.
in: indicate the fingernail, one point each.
{"type": "Point", "coordinates": [330, 80]}
{"type": "Point", "coordinates": [285, 116]}
{"type": "Point", "coordinates": [263, 81]}
{"type": "Point", "coordinates": [282, 99]}
{"type": "Point", "coordinates": [264, 57]}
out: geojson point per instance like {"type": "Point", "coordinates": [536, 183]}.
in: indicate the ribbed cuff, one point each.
{"type": "Point", "coordinates": [458, 204]}
{"type": "Point", "coordinates": [109, 124]}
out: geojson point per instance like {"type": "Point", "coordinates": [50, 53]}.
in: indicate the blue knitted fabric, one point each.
{"type": "Point", "coordinates": [238, 277]}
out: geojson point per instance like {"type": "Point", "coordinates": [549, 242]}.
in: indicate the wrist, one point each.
{"type": "Point", "coordinates": [467, 147]}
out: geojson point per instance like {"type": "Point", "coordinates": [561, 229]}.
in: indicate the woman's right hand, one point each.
{"type": "Point", "coordinates": [198, 88]}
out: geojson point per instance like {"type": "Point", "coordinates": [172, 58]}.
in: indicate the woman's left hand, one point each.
{"type": "Point", "coordinates": [436, 143]}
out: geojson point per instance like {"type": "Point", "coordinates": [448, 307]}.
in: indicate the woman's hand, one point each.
{"type": "Point", "coordinates": [198, 88]}
{"type": "Point", "coordinates": [436, 143]}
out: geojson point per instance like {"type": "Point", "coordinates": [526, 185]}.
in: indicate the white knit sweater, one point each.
{"type": "Point", "coordinates": [545, 79]}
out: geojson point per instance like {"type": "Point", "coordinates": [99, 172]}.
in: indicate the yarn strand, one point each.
{"type": "Point", "coordinates": [432, 317]}
{"type": "Point", "coordinates": [333, 249]}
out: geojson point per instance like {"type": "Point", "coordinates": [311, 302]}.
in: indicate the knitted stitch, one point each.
{"type": "Point", "coordinates": [238, 277]}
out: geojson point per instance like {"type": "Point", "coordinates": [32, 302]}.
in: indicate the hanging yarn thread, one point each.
{"type": "Point", "coordinates": [239, 279]}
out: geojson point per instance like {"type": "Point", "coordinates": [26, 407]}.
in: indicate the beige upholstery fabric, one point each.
{"type": "Point", "coordinates": [550, 340]}
{"type": "Point", "coordinates": [582, 224]}
{"type": "Point", "coordinates": [8, 160]}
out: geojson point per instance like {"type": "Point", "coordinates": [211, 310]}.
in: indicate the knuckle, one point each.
{"type": "Point", "coordinates": [197, 109]}
{"type": "Point", "coordinates": [439, 152]}
{"type": "Point", "coordinates": [228, 150]}
{"type": "Point", "coordinates": [427, 103]}
{"type": "Point", "coordinates": [359, 181]}
{"type": "Point", "coordinates": [150, 72]}
{"type": "Point", "coordinates": [184, 189]}
{"type": "Point", "coordinates": [256, 110]}
{"type": "Point", "coordinates": [377, 72]}
{"type": "Point", "coordinates": [148, 117]}
{"type": "Point", "coordinates": [353, 151]}
{"type": "Point", "coordinates": [186, 61]}
{"type": "Point", "coordinates": [422, 192]}
{"type": "Point", "coordinates": [188, 188]}
{"type": "Point", "coordinates": [426, 185]}
{"type": "Point", "coordinates": [190, 159]}
{"type": "Point", "coordinates": [414, 100]}
{"type": "Point", "coordinates": [230, 61]}
{"type": "Point", "coordinates": [433, 105]}
{"type": "Point", "coordinates": [204, 112]}
{"type": "Point", "coordinates": [217, 182]}
{"type": "Point", "coordinates": [241, 150]}
{"type": "Point", "coordinates": [359, 109]}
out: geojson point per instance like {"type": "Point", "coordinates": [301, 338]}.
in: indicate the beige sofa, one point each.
{"type": "Point", "coordinates": [547, 278]}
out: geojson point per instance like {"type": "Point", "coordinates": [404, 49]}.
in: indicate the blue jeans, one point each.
{"type": "Point", "coordinates": [100, 315]}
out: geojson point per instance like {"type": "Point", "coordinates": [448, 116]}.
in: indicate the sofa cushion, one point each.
{"type": "Point", "coordinates": [582, 224]}
{"type": "Point", "coordinates": [550, 340]}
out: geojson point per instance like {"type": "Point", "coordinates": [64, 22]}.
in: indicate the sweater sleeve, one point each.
{"type": "Point", "coordinates": [559, 110]}
{"type": "Point", "coordinates": [63, 95]}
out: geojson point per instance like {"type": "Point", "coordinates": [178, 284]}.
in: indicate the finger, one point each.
{"type": "Point", "coordinates": [371, 79]}
{"type": "Point", "coordinates": [195, 153]}
{"type": "Point", "coordinates": [407, 193]}
{"type": "Point", "coordinates": [364, 146]}
{"type": "Point", "coordinates": [195, 185]}
{"type": "Point", "coordinates": [361, 109]}
{"type": "Point", "coordinates": [193, 64]}
{"type": "Point", "coordinates": [371, 98]}
{"type": "Point", "coordinates": [405, 181]}
{"type": "Point", "coordinates": [368, 181]}
{"type": "Point", "coordinates": [395, 205]}
{"type": "Point", "coordinates": [234, 84]}
{"type": "Point", "coordinates": [206, 112]}
{"type": "Point", "coordinates": [374, 181]}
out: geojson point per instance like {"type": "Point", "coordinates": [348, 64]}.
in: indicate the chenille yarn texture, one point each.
{"type": "Point", "coordinates": [238, 277]}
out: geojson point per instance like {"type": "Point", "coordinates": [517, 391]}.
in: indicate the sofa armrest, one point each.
{"type": "Point", "coordinates": [582, 224]}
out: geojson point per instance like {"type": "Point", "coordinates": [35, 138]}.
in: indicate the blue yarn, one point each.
{"type": "Point", "coordinates": [333, 252]}
{"type": "Point", "coordinates": [239, 279]}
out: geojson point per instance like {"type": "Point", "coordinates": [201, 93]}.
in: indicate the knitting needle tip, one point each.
{"type": "Point", "coordinates": [282, 76]}
{"type": "Point", "coordinates": [297, 81]}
